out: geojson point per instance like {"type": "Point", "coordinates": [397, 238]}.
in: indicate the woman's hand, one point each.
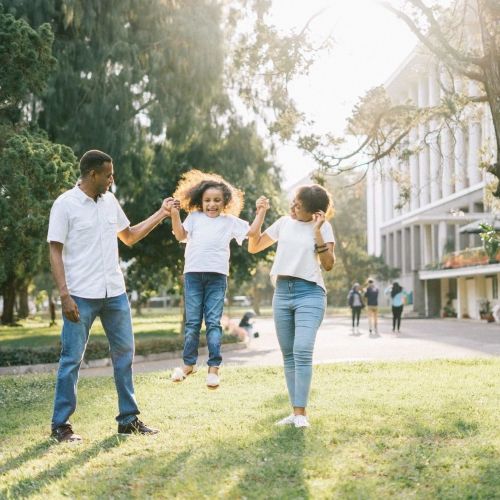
{"type": "Point", "coordinates": [319, 218]}
{"type": "Point", "coordinates": [262, 203]}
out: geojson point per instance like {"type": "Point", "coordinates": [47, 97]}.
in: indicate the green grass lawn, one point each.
{"type": "Point", "coordinates": [37, 333]}
{"type": "Point", "coordinates": [403, 430]}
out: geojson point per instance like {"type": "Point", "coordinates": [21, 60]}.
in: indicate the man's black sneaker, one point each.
{"type": "Point", "coordinates": [64, 433]}
{"type": "Point", "coordinates": [136, 427]}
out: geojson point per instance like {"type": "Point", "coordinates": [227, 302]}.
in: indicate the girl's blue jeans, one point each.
{"type": "Point", "coordinates": [298, 309]}
{"type": "Point", "coordinates": [203, 298]}
{"type": "Point", "coordinates": [116, 320]}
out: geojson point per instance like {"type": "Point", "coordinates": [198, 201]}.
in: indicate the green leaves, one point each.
{"type": "Point", "coordinates": [26, 59]}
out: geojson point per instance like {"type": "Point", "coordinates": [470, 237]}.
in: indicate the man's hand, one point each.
{"type": "Point", "coordinates": [70, 309]}
{"type": "Point", "coordinates": [262, 203]}
{"type": "Point", "coordinates": [174, 205]}
{"type": "Point", "coordinates": [166, 206]}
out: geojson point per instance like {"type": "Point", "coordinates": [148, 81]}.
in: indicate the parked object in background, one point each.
{"type": "Point", "coordinates": [241, 300]}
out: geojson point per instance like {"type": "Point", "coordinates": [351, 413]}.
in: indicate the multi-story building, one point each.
{"type": "Point", "coordinates": [444, 268]}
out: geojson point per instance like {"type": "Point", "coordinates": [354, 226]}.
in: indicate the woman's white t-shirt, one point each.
{"type": "Point", "coordinates": [295, 255]}
{"type": "Point", "coordinates": [208, 238]}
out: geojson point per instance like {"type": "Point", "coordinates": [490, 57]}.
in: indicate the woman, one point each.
{"type": "Point", "coordinates": [398, 297]}
{"type": "Point", "coordinates": [305, 242]}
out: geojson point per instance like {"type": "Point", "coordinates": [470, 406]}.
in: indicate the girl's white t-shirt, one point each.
{"type": "Point", "coordinates": [207, 247]}
{"type": "Point", "coordinates": [295, 255]}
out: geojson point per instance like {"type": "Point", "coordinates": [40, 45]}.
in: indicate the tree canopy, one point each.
{"type": "Point", "coordinates": [33, 170]}
{"type": "Point", "coordinates": [465, 39]}
{"type": "Point", "coordinates": [165, 86]}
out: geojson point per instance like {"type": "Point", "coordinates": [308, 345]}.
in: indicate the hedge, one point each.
{"type": "Point", "coordinates": [97, 349]}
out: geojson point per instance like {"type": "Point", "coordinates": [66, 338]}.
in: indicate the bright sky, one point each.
{"type": "Point", "coordinates": [369, 44]}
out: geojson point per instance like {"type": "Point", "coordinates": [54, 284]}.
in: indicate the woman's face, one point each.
{"type": "Point", "coordinates": [298, 212]}
{"type": "Point", "coordinates": [212, 202]}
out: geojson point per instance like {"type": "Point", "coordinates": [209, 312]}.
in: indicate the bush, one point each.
{"type": "Point", "coordinates": [97, 349]}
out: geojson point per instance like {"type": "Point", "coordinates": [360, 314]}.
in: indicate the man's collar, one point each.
{"type": "Point", "coordinates": [82, 196]}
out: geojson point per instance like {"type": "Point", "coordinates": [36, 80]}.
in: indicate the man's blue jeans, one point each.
{"type": "Point", "coordinates": [114, 313]}
{"type": "Point", "coordinates": [203, 298]}
{"type": "Point", "coordinates": [298, 310]}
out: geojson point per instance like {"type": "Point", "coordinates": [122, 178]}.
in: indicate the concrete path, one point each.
{"type": "Point", "coordinates": [420, 339]}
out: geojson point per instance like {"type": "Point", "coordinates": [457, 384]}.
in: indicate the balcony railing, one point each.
{"type": "Point", "coordinates": [464, 258]}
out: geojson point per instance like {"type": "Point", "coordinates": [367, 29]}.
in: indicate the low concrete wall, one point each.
{"type": "Point", "coordinates": [97, 363]}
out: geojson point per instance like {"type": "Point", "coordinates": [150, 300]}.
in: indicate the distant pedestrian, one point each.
{"type": "Point", "coordinates": [371, 296]}
{"type": "Point", "coordinates": [355, 301]}
{"type": "Point", "coordinates": [398, 299]}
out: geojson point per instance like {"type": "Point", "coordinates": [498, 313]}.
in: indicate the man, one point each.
{"type": "Point", "coordinates": [83, 228]}
{"type": "Point", "coordinates": [371, 296]}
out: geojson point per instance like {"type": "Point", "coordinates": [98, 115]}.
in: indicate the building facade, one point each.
{"type": "Point", "coordinates": [417, 206]}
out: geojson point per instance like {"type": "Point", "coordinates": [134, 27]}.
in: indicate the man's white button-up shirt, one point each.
{"type": "Point", "coordinates": [88, 230]}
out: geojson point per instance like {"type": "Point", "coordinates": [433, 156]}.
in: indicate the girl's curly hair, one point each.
{"type": "Point", "coordinates": [194, 183]}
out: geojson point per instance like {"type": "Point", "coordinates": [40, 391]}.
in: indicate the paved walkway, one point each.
{"type": "Point", "coordinates": [420, 339]}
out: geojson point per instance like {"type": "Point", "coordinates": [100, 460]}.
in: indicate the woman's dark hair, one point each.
{"type": "Point", "coordinates": [195, 194]}
{"type": "Point", "coordinates": [395, 289]}
{"type": "Point", "coordinates": [315, 197]}
{"type": "Point", "coordinates": [93, 160]}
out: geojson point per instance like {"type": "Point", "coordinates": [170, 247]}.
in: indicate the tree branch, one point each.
{"type": "Point", "coordinates": [441, 53]}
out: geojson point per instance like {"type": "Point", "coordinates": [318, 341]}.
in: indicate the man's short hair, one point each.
{"type": "Point", "coordinates": [93, 160]}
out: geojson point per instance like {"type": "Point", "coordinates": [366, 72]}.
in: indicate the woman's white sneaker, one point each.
{"type": "Point", "coordinates": [301, 421]}
{"type": "Point", "coordinates": [290, 420]}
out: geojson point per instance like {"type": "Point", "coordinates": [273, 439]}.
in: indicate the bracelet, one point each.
{"type": "Point", "coordinates": [323, 250]}
{"type": "Point", "coordinates": [319, 247]}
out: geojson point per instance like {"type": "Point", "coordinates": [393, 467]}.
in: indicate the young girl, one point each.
{"type": "Point", "coordinates": [213, 205]}
{"type": "Point", "coordinates": [305, 245]}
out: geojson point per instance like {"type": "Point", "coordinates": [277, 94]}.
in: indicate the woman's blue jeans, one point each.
{"type": "Point", "coordinates": [203, 298]}
{"type": "Point", "coordinates": [298, 309]}
{"type": "Point", "coordinates": [114, 313]}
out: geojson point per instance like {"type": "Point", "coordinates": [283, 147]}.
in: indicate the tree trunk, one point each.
{"type": "Point", "coordinates": [340, 251]}
{"type": "Point", "coordinates": [256, 298]}
{"type": "Point", "coordinates": [24, 309]}
{"type": "Point", "coordinates": [491, 68]}
{"type": "Point", "coordinates": [9, 300]}
{"type": "Point", "coordinates": [52, 310]}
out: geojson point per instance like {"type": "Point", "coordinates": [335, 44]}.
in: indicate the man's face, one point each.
{"type": "Point", "coordinates": [103, 178]}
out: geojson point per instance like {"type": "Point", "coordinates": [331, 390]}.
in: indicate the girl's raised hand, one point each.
{"type": "Point", "coordinates": [318, 217]}
{"type": "Point", "coordinates": [262, 203]}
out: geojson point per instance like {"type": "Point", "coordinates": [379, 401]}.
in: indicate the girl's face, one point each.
{"type": "Point", "coordinates": [212, 202]}
{"type": "Point", "coordinates": [298, 212]}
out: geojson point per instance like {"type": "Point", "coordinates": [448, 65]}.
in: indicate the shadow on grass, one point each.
{"type": "Point", "coordinates": [35, 451]}
{"type": "Point", "coordinates": [33, 485]}
{"type": "Point", "coordinates": [268, 464]}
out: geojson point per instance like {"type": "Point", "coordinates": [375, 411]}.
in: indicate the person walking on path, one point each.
{"type": "Point", "coordinates": [305, 245]}
{"type": "Point", "coordinates": [355, 301]}
{"type": "Point", "coordinates": [398, 299]}
{"type": "Point", "coordinates": [371, 296]}
{"type": "Point", "coordinates": [83, 229]}
{"type": "Point", "coordinates": [213, 205]}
